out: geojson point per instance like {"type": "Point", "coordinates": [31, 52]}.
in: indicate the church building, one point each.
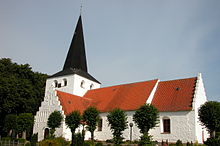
{"type": "Point", "coordinates": [73, 88]}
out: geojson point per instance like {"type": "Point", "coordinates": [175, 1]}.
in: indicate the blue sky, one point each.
{"type": "Point", "coordinates": [126, 40]}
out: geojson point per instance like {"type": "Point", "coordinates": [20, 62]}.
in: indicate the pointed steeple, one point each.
{"type": "Point", "coordinates": [76, 57]}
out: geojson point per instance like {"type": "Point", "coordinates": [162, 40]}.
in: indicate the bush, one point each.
{"type": "Point", "coordinates": [48, 142]}
{"type": "Point", "coordinates": [60, 141]}
{"type": "Point", "coordinates": [179, 143]}
{"type": "Point", "coordinates": [21, 140]}
{"type": "Point", "coordinates": [78, 139]}
{"type": "Point", "coordinates": [28, 144]}
{"type": "Point", "coordinates": [89, 143]}
{"type": "Point", "coordinates": [6, 138]}
{"type": "Point", "coordinates": [189, 144]}
{"type": "Point", "coordinates": [34, 139]}
{"type": "Point", "coordinates": [99, 144]}
{"type": "Point", "coordinates": [212, 142]}
{"type": "Point", "coordinates": [146, 140]}
{"type": "Point", "coordinates": [109, 141]}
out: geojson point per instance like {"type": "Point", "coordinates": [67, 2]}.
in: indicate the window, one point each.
{"type": "Point", "coordinates": [166, 125]}
{"type": "Point", "coordinates": [55, 84]}
{"type": "Point", "coordinates": [64, 82]}
{"type": "Point", "coordinates": [82, 85]}
{"type": "Point", "coordinates": [91, 86]}
{"type": "Point", "coordinates": [59, 85]}
{"type": "Point", "coordinates": [100, 125]}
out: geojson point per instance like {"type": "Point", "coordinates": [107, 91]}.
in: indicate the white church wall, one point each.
{"type": "Point", "coordinates": [60, 80]}
{"type": "Point", "coordinates": [76, 84]}
{"type": "Point", "coordinates": [49, 105]}
{"type": "Point", "coordinates": [82, 85]}
{"type": "Point", "coordinates": [182, 127]}
{"type": "Point", "coordinates": [199, 99]}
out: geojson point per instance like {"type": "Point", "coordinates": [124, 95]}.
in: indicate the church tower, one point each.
{"type": "Point", "coordinates": [74, 77]}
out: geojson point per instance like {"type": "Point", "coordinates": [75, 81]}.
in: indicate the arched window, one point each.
{"type": "Point", "coordinates": [166, 125]}
{"type": "Point", "coordinates": [100, 125]}
{"type": "Point", "coordinates": [55, 84]}
{"type": "Point", "coordinates": [91, 86]}
{"type": "Point", "coordinates": [64, 82]}
{"type": "Point", "coordinates": [82, 85]}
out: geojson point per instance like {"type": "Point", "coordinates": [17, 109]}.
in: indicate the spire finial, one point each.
{"type": "Point", "coordinates": [81, 6]}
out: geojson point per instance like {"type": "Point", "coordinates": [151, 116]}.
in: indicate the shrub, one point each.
{"type": "Point", "coordinates": [21, 140]}
{"type": "Point", "coordinates": [60, 141]}
{"type": "Point", "coordinates": [99, 144]}
{"type": "Point", "coordinates": [48, 142]}
{"type": "Point", "coordinates": [212, 142]}
{"type": "Point", "coordinates": [78, 139]}
{"type": "Point", "coordinates": [34, 139]}
{"type": "Point", "coordinates": [179, 143]}
{"type": "Point", "coordinates": [109, 141]}
{"type": "Point", "coordinates": [28, 144]}
{"type": "Point", "coordinates": [146, 140]}
{"type": "Point", "coordinates": [88, 143]}
{"type": "Point", "coordinates": [6, 138]}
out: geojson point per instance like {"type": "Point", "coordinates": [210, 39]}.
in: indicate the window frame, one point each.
{"type": "Point", "coordinates": [166, 129]}
{"type": "Point", "coordinates": [100, 125]}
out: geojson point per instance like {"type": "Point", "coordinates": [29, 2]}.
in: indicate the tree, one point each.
{"type": "Point", "coordinates": [73, 121]}
{"type": "Point", "coordinates": [209, 115]}
{"type": "Point", "coordinates": [146, 117]}
{"type": "Point", "coordinates": [54, 121]}
{"type": "Point", "coordinates": [117, 120]}
{"type": "Point", "coordinates": [10, 124]}
{"type": "Point", "coordinates": [21, 89]}
{"type": "Point", "coordinates": [25, 123]}
{"type": "Point", "coordinates": [91, 117]}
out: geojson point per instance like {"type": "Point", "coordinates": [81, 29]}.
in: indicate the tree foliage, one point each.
{"type": "Point", "coordinates": [117, 120]}
{"type": "Point", "coordinates": [10, 123]}
{"type": "Point", "coordinates": [73, 121]}
{"type": "Point", "coordinates": [54, 121]}
{"type": "Point", "coordinates": [209, 115]}
{"type": "Point", "coordinates": [91, 117]}
{"type": "Point", "coordinates": [21, 89]}
{"type": "Point", "coordinates": [25, 122]}
{"type": "Point", "coordinates": [146, 117]}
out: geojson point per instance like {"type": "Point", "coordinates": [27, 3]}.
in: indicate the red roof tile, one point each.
{"type": "Point", "coordinates": [175, 95]}
{"type": "Point", "coordinates": [126, 97]}
{"type": "Point", "coordinates": [72, 102]}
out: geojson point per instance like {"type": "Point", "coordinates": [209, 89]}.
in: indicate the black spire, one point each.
{"type": "Point", "coordinates": [76, 57]}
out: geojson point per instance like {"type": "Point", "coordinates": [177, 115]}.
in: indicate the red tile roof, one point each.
{"type": "Point", "coordinates": [72, 102]}
{"type": "Point", "coordinates": [126, 97]}
{"type": "Point", "coordinates": [174, 95]}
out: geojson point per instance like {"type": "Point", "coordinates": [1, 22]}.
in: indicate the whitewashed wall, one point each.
{"type": "Point", "coordinates": [182, 127]}
{"type": "Point", "coordinates": [73, 84]}
{"type": "Point", "coordinates": [80, 91]}
{"type": "Point", "coordinates": [199, 99]}
{"type": "Point", "coordinates": [50, 104]}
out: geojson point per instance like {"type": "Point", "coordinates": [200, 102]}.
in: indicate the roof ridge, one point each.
{"type": "Point", "coordinates": [179, 79]}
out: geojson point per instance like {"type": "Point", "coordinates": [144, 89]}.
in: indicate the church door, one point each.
{"type": "Point", "coordinates": [46, 133]}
